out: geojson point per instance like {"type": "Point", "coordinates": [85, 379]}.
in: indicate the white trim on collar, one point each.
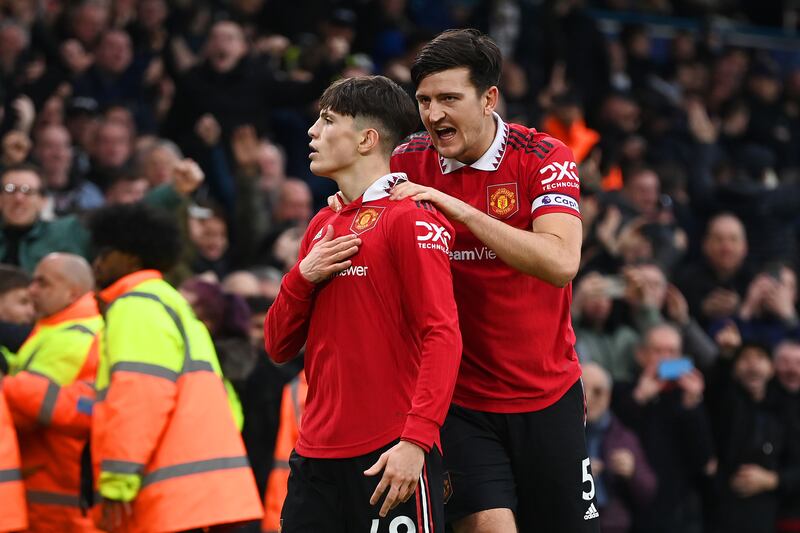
{"type": "Point", "coordinates": [382, 186]}
{"type": "Point", "coordinates": [490, 160]}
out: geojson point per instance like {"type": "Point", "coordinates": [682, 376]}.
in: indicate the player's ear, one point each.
{"type": "Point", "coordinates": [490, 98]}
{"type": "Point", "coordinates": [370, 140]}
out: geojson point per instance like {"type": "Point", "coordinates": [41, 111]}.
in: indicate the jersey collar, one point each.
{"type": "Point", "coordinates": [379, 189]}
{"type": "Point", "coordinates": [490, 160]}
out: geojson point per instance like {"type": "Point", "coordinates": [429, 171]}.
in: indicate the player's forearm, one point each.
{"type": "Point", "coordinates": [543, 255]}
{"type": "Point", "coordinates": [286, 325]}
{"type": "Point", "coordinates": [441, 356]}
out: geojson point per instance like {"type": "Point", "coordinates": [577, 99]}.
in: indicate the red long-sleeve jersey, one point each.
{"type": "Point", "coordinates": [382, 338]}
{"type": "Point", "coordinates": [519, 350]}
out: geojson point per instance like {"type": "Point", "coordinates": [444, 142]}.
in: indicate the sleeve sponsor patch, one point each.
{"type": "Point", "coordinates": [432, 236]}
{"type": "Point", "coordinates": [555, 200]}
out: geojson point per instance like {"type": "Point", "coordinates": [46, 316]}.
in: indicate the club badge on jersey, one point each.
{"type": "Point", "coordinates": [365, 219]}
{"type": "Point", "coordinates": [501, 200]}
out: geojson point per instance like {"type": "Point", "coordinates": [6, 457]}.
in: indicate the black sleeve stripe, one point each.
{"type": "Point", "coordinates": [518, 136]}
{"type": "Point", "coordinates": [549, 145]}
{"type": "Point", "coordinates": [539, 149]}
{"type": "Point", "coordinates": [516, 145]}
{"type": "Point", "coordinates": [424, 204]}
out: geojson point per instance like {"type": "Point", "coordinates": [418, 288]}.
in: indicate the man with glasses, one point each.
{"type": "Point", "coordinates": [24, 237]}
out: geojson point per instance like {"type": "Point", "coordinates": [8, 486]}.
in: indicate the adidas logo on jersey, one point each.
{"type": "Point", "coordinates": [591, 513]}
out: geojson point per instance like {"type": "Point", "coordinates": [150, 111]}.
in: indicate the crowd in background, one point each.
{"type": "Point", "coordinates": [689, 159]}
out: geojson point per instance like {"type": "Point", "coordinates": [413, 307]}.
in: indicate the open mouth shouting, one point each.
{"type": "Point", "coordinates": [445, 134]}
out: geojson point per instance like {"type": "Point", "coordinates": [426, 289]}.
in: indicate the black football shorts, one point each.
{"type": "Point", "coordinates": [332, 496]}
{"type": "Point", "coordinates": [533, 463]}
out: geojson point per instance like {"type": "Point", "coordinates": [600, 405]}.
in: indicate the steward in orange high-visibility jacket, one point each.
{"type": "Point", "coordinates": [13, 516]}
{"type": "Point", "coordinates": [166, 449]}
{"type": "Point", "coordinates": [49, 392]}
{"type": "Point", "coordinates": [164, 435]}
{"type": "Point", "coordinates": [292, 405]}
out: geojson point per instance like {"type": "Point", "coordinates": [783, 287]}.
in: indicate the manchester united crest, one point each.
{"type": "Point", "coordinates": [501, 200]}
{"type": "Point", "coordinates": [365, 219]}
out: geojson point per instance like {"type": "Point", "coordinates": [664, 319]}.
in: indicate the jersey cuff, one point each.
{"type": "Point", "coordinates": [296, 285]}
{"type": "Point", "coordinates": [421, 431]}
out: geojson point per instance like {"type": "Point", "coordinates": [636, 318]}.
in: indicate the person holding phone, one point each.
{"type": "Point", "coordinates": [769, 312]}
{"type": "Point", "coordinates": [664, 406]}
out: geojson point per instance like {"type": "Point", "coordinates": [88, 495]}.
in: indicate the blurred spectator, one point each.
{"type": "Point", "coordinates": [768, 313]}
{"type": "Point", "coordinates": [157, 161]}
{"type": "Point", "coordinates": [567, 124]}
{"type": "Point", "coordinates": [125, 186]}
{"type": "Point", "coordinates": [669, 418]}
{"type": "Point", "coordinates": [293, 203]}
{"type": "Point", "coordinates": [16, 306]}
{"type": "Point", "coordinates": [114, 78]}
{"type": "Point", "coordinates": [227, 318]}
{"type": "Point", "coordinates": [716, 285]}
{"type": "Point", "coordinates": [24, 237]}
{"type": "Point", "coordinates": [82, 119]}
{"type": "Point", "coordinates": [769, 126]}
{"type": "Point", "coordinates": [111, 149]}
{"type": "Point", "coordinates": [242, 283]}
{"type": "Point", "coordinates": [258, 294]}
{"type": "Point", "coordinates": [601, 337]}
{"type": "Point", "coordinates": [67, 191]}
{"type": "Point", "coordinates": [16, 312]}
{"type": "Point", "coordinates": [208, 232]}
{"type": "Point", "coordinates": [86, 21]}
{"type": "Point", "coordinates": [753, 442]}
{"type": "Point", "coordinates": [623, 480]}
{"type": "Point", "coordinates": [639, 224]}
{"type": "Point", "coordinates": [787, 385]}
{"type": "Point", "coordinates": [233, 87]}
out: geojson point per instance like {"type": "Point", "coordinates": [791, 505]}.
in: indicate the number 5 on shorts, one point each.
{"type": "Point", "coordinates": [587, 476]}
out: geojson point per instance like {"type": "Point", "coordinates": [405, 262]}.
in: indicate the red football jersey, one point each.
{"type": "Point", "coordinates": [519, 350]}
{"type": "Point", "coordinates": [382, 337]}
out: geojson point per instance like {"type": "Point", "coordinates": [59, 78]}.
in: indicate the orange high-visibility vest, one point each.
{"type": "Point", "coordinates": [578, 136]}
{"type": "Point", "coordinates": [163, 433]}
{"type": "Point", "coordinates": [293, 404]}
{"type": "Point", "coordinates": [13, 516]}
{"type": "Point", "coordinates": [50, 396]}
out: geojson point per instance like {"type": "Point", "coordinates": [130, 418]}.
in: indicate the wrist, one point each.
{"type": "Point", "coordinates": [640, 396]}
{"type": "Point", "coordinates": [772, 480]}
{"type": "Point", "coordinates": [470, 214]}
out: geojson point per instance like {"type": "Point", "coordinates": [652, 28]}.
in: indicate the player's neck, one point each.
{"type": "Point", "coordinates": [355, 180]}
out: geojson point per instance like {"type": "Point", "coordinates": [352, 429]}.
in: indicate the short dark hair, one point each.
{"type": "Point", "coordinates": [12, 278]}
{"type": "Point", "coordinates": [749, 344]}
{"type": "Point", "coordinates": [150, 234]}
{"type": "Point", "coordinates": [460, 48]}
{"type": "Point", "coordinates": [22, 167]}
{"type": "Point", "coordinates": [374, 98]}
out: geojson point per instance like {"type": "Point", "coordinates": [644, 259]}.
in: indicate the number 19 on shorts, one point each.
{"type": "Point", "coordinates": [395, 525]}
